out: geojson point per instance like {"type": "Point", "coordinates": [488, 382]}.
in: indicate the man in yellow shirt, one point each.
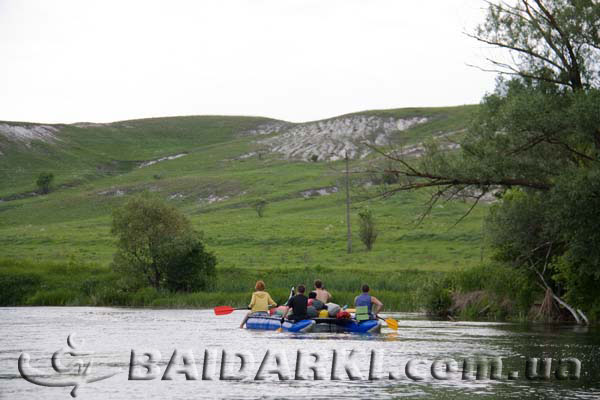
{"type": "Point", "coordinates": [260, 302]}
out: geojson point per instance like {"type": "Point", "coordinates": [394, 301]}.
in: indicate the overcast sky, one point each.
{"type": "Point", "coordinates": [298, 60]}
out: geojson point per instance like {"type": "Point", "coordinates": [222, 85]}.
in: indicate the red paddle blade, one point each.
{"type": "Point", "coordinates": [223, 310]}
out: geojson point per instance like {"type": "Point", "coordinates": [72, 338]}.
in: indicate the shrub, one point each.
{"type": "Point", "coordinates": [259, 206]}
{"type": "Point", "coordinates": [368, 232]}
{"type": "Point", "coordinates": [439, 298]}
{"type": "Point", "coordinates": [15, 287]}
{"type": "Point", "coordinates": [44, 181]}
{"type": "Point", "coordinates": [191, 269]}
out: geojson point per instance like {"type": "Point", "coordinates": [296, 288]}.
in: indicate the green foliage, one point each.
{"type": "Point", "coordinates": [439, 298]}
{"type": "Point", "coordinates": [538, 144]}
{"type": "Point", "coordinates": [44, 181]}
{"type": "Point", "coordinates": [493, 291]}
{"type": "Point", "coordinates": [156, 244]}
{"type": "Point", "coordinates": [516, 227]}
{"type": "Point", "coordinates": [84, 284]}
{"type": "Point", "coordinates": [259, 206]}
{"type": "Point", "coordinates": [54, 297]}
{"type": "Point", "coordinates": [14, 287]}
{"type": "Point", "coordinates": [552, 40]}
{"type": "Point", "coordinates": [389, 178]}
{"type": "Point", "coordinates": [554, 234]}
{"type": "Point", "coordinates": [191, 269]}
{"type": "Point", "coordinates": [541, 132]}
{"type": "Point", "coordinates": [574, 220]}
{"type": "Point", "coordinates": [367, 229]}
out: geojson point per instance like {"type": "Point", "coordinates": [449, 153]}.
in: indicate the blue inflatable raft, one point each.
{"type": "Point", "coordinates": [346, 325]}
{"type": "Point", "coordinates": [314, 325]}
{"type": "Point", "coordinates": [271, 324]}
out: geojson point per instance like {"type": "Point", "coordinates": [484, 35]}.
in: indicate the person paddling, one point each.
{"type": "Point", "coordinates": [365, 299]}
{"type": "Point", "coordinates": [322, 295]}
{"type": "Point", "coordinates": [260, 302]}
{"type": "Point", "coordinates": [298, 304]}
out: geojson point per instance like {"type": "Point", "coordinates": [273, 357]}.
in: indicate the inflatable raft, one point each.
{"type": "Point", "coordinates": [266, 323]}
{"type": "Point", "coordinates": [314, 325]}
{"type": "Point", "coordinates": [346, 325]}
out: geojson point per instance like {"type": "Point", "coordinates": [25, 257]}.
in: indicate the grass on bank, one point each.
{"type": "Point", "coordinates": [492, 292]}
{"type": "Point", "coordinates": [25, 282]}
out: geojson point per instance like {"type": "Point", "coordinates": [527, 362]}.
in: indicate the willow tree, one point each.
{"type": "Point", "coordinates": [535, 141]}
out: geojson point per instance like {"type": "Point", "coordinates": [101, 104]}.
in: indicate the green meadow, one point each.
{"type": "Point", "coordinates": [59, 245]}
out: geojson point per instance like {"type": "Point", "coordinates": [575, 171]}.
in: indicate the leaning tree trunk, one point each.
{"type": "Point", "coordinates": [577, 314]}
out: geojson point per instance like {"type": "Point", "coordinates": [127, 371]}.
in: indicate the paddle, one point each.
{"type": "Point", "coordinates": [224, 310]}
{"type": "Point", "coordinates": [292, 292]}
{"type": "Point", "coordinates": [391, 323]}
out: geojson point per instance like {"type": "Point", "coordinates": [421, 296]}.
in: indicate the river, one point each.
{"type": "Point", "coordinates": [104, 339]}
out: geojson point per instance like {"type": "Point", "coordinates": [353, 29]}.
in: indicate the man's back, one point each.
{"type": "Point", "coordinates": [323, 295]}
{"type": "Point", "coordinates": [299, 304]}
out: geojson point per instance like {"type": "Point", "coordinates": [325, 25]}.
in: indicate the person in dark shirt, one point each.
{"type": "Point", "coordinates": [298, 305]}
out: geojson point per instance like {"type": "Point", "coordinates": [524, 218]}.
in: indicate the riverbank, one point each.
{"type": "Point", "coordinates": [44, 284]}
{"type": "Point", "coordinates": [501, 295]}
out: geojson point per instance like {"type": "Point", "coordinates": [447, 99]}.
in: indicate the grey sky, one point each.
{"type": "Point", "coordinates": [299, 60]}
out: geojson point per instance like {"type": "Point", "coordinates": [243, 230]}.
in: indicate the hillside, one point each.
{"type": "Point", "coordinates": [213, 168]}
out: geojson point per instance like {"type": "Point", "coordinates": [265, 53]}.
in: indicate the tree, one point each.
{"type": "Point", "coordinates": [554, 41]}
{"type": "Point", "coordinates": [156, 245]}
{"type": "Point", "coordinates": [367, 231]}
{"type": "Point", "coordinates": [191, 268]}
{"type": "Point", "coordinates": [536, 141]}
{"type": "Point", "coordinates": [44, 181]}
{"type": "Point", "coordinates": [348, 201]}
{"type": "Point", "coordinates": [259, 206]}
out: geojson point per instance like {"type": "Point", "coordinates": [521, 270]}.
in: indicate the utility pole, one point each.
{"type": "Point", "coordinates": [348, 204]}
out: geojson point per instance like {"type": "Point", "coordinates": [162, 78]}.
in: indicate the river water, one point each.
{"type": "Point", "coordinates": [105, 338]}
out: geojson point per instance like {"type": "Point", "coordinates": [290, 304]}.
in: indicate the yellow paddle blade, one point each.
{"type": "Point", "coordinates": [392, 323]}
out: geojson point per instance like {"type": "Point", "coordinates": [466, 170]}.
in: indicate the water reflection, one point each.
{"type": "Point", "coordinates": [113, 333]}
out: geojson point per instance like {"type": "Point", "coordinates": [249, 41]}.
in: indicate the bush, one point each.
{"type": "Point", "coordinates": [191, 270]}
{"type": "Point", "coordinates": [439, 298]}
{"type": "Point", "coordinates": [493, 291]}
{"type": "Point", "coordinates": [368, 232]}
{"type": "Point", "coordinates": [157, 246]}
{"type": "Point", "coordinates": [15, 287]}
{"type": "Point", "coordinates": [259, 206]}
{"type": "Point", "coordinates": [44, 181]}
{"type": "Point", "coordinates": [111, 296]}
{"type": "Point", "coordinates": [144, 296]}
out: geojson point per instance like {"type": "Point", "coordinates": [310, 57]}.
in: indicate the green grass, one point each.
{"type": "Point", "coordinates": [25, 282]}
{"type": "Point", "coordinates": [71, 225]}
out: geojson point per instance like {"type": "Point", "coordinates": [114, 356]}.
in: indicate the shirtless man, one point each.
{"type": "Point", "coordinates": [322, 294]}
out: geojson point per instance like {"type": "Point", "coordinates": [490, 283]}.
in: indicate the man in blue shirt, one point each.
{"type": "Point", "coordinates": [365, 299]}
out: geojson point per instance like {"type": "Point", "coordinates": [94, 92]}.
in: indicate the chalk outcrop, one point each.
{"type": "Point", "coordinates": [331, 139]}
{"type": "Point", "coordinates": [28, 133]}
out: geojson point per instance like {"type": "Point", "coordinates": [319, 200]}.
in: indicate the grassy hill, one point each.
{"type": "Point", "coordinates": [219, 165]}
